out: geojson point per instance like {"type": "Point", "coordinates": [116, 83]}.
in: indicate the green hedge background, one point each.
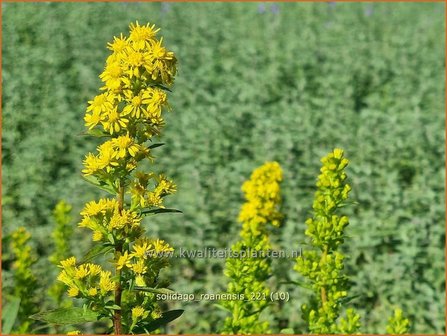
{"type": "Point", "coordinates": [257, 82]}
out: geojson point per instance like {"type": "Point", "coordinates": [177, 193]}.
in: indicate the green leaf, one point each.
{"type": "Point", "coordinates": [72, 315]}
{"type": "Point", "coordinates": [100, 184]}
{"type": "Point", "coordinates": [154, 290]}
{"type": "Point", "coordinates": [288, 331]}
{"type": "Point", "coordinates": [97, 133]}
{"type": "Point", "coordinates": [155, 145]}
{"type": "Point", "coordinates": [115, 307]}
{"type": "Point", "coordinates": [217, 305]}
{"type": "Point", "coordinates": [158, 211]}
{"type": "Point", "coordinates": [163, 87]}
{"type": "Point", "coordinates": [9, 315]}
{"type": "Point", "coordinates": [165, 318]}
{"type": "Point", "coordinates": [297, 283]}
{"type": "Point", "coordinates": [96, 251]}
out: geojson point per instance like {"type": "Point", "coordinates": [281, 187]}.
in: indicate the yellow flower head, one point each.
{"type": "Point", "coordinates": [92, 291]}
{"type": "Point", "coordinates": [123, 261]}
{"type": "Point", "coordinates": [118, 45]}
{"type": "Point", "coordinates": [141, 248]}
{"type": "Point", "coordinates": [106, 284]}
{"type": "Point", "coordinates": [142, 36]}
{"type": "Point", "coordinates": [81, 271]}
{"type": "Point", "coordinates": [138, 312]}
{"type": "Point", "coordinates": [139, 267]}
{"type": "Point", "coordinates": [67, 263]}
{"type": "Point", "coordinates": [73, 291]}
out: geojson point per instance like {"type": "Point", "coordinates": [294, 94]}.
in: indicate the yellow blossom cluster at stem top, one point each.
{"type": "Point", "coordinates": [262, 193]}
{"type": "Point", "coordinates": [135, 78]}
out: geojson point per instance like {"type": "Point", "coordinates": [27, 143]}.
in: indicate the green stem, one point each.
{"type": "Point", "coordinates": [117, 324]}
{"type": "Point", "coordinates": [323, 289]}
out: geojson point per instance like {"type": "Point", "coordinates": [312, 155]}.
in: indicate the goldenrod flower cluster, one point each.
{"type": "Point", "coordinates": [323, 267]}
{"type": "Point", "coordinates": [248, 275]}
{"type": "Point", "coordinates": [86, 280]}
{"type": "Point", "coordinates": [262, 193]}
{"type": "Point", "coordinates": [128, 113]}
{"type": "Point", "coordinates": [130, 108]}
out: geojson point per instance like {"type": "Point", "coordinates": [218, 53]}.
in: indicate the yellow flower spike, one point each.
{"type": "Point", "coordinates": [129, 112]}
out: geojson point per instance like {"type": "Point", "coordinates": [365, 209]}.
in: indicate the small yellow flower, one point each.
{"type": "Point", "coordinates": [91, 164]}
{"type": "Point", "coordinates": [138, 312]}
{"type": "Point", "coordinates": [92, 291]}
{"type": "Point", "coordinates": [101, 103]}
{"type": "Point", "coordinates": [73, 292]}
{"type": "Point", "coordinates": [81, 272]}
{"type": "Point", "coordinates": [105, 282]}
{"type": "Point", "coordinates": [124, 144]}
{"type": "Point", "coordinates": [141, 248]}
{"type": "Point", "coordinates": [65, 278]}
{"type": "Point", "coordinates": [139, 267]}
{"type": "Point", "coordinates": [139, 281]}
{"type": "Point", "coordinates": [67, 263]}
{"type": "Point", "coordinates": [114, 122]}
{"type": "Point", "coordinates": [97, 236]}
{"type": "Point", "coordinates": [94, 269]}
{"type": "Point", "coordinates": [141, 36]}
{"type": "Point", "coordinates": [123, 261]}
{"type": "Point", "coordinates": [118, 45]}
{"type": "Point", "coordinates": [74, 332]}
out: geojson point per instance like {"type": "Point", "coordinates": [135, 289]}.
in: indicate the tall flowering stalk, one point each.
{"type": "Point", "coordinates": [24, 281]}
{"type": "Point", "coordinates": [323, 266]}
{"type": "Point", "coordinates": [249, 268]}
{"type": "Point", "coordinates": [61, 238]}
{"type": "Point", "coordinates": [128, 114]}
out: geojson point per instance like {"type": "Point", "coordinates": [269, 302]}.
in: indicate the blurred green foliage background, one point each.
{"type": "Point", "coordinates": [257, 82]}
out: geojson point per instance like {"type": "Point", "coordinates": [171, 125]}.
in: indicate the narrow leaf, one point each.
{"type": "Point", "coordinates": [155, 145]}
{"type": "Point", "coordinates": [72, 315]}
{"type": "Point", "coordinates": [288, 331]}
{"type": "Point", "coordinates": [96, 251]}
{"type": "Point", "coordinates": [154, 290]}
{"type": "Point", "coordinates": [158, 211]}
{"type": "Point", "coordinates": [100, 184]}
{"type": "Point", "coordinates": [9, 315]}
{"type": "Point", "coordinates": [165, 318]}
{"type": "Point", "coordinates": [97, 133]}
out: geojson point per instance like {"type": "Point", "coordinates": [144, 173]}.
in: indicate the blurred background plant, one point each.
{"type": "Point", "coordinates": [259, 81]}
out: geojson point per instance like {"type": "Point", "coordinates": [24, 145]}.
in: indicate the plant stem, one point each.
{"type": "Point", "coordinates": [117, 325]}
{"type": "Point", "coordinates": [323, 289]}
